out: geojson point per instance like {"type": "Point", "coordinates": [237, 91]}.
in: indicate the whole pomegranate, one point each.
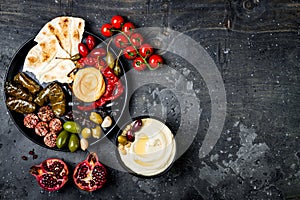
{"type": "Point", "coordinates": [51, 174]}
{"type": "Point", "coordinates": [90, 175]}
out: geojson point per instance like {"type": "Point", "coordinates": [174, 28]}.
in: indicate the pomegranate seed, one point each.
{"type": "Point", "coordinates": [31, 152]}
{"type": "Point", "coordinates": [35, 156]}
{"type": "Point", "coordinates": [24, 157]}
{"type": "Point", "coordinates": [92, 183]}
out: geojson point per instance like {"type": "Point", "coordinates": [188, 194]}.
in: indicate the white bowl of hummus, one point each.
{"type": "Point", "coordinates": [152, 151]}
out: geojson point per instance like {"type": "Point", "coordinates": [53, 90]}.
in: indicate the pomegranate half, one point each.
{"type": "Point", "coordinates": [90, 175]}
{"type": "Point", "coordinates": [51, 174]}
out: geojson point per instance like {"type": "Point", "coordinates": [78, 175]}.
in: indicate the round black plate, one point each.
{"type": "Point", "coordinates": [16, 65]}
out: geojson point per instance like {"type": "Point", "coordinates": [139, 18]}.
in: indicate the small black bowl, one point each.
{"type": "Point", "coordinates": [119, 156]}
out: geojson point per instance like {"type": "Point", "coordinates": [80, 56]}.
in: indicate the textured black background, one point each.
{"type": "Point", "coordinates": [255, 45]}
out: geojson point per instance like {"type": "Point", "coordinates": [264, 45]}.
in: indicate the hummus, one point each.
{"type": "Point", "coordinates": [153, 149]}
{"type": "Point", "coordinates": [89, 84]}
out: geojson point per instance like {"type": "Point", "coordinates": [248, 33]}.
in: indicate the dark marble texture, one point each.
{"type": "Point", "coordinates": [255, 47]}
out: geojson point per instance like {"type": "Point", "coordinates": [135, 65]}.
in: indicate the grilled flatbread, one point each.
{"type": "Point", "coordinates": [67, 30]}
{"type": "Point", "coordinates": [76, 31]}
{"type": "Point", "coordinates": [43, 61]}
{"type": "Point", "coordinates": [42, 54]}
{"type": "Point", "coordinates": [59, 38]}
{"type": "Point", "coordinates": [57, 70]}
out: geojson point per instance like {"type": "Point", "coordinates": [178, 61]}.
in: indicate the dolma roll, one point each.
{"type": "Point", "coordinates": [27, 82]}
{"type": "Point", "coordinates": [17, 91]}
{"type": "Point", "coordinates": [20, 105]}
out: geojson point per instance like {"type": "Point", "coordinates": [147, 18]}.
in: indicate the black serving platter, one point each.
{"type": "Point", "coordinates": [16, 66]}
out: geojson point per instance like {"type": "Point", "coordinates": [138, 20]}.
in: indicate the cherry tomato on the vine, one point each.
{"type": "Point", "coordinates": [130, 53]}
{"type": "Point", "coordinates": [121, 41]}
{"type": "Point", "coordinates": [117, 21]}
{"type": "Point", "coordinates": [136, 39]}
{"type": "Point", "coordinates": [155, 61]}
{"type": "Point", "coordinates": [83, 50]}
{"type": "Point", "coordinates": [98, 52]}
{"type": "Point", "coordinates": [128, 28]}
{"type": "Point", "coordinates": [139, 64]}
{"type": "Point", "coordinates": [106, 30]}
{"type": "Point", "coordinates": [90, 42]}
{"type": "Point", "coordinates": [146, 50]}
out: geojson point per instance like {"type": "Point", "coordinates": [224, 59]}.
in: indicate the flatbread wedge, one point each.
{"type": "Point", "coordinates": [57, 41]}
{"type": "Point", "coordinates": [42, 54]}
{"type": "Point", "coordinates": [67, 30]}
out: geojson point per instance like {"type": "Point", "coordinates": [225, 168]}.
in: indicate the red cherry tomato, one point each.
{"type": "Point", "coordinates": [117, 21]}
{"type": "Point", "coordinates": [146, 50]}
{"type": "Point", "coordinates": [106, 30]}
{"type": "Point", "coordinates": [128, 28]}
{"type": "Point", "coordinates": [130, 53]}
{"type": "Point", "coordinates": [139, 64]}
{"type": "Point", "coordinates": [98, 52]}
{"type": "Point", "coordinates": [90, 42]}
{"type": "Point", "coordinates": [83, 50]}
{"type": "Point", "coordinates": [155, 61]}
{"type": "Point", "coordinates": [136, 39]}
{"type": "Point", "coordinates": [121, 41]}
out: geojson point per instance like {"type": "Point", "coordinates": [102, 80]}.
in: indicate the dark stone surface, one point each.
{"type": "Point", "coordinates": [255, 46]}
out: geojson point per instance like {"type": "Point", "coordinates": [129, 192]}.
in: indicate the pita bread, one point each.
{"type": "Point", "coordinates": [57, 71]}
{"type": "Point", "coordinates": [67, 30]}
{"type": "Point", "coordinates": [59, 38]}
{"type": "Point", "coordinates": [76, 31]}
{"type": "Point", "coordinates": [42, 54]}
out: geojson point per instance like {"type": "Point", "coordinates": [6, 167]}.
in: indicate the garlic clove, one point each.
{"type": "Point", "coordinates": [107, 122]}
{"type": "Point", "coordinates": [84, 144]}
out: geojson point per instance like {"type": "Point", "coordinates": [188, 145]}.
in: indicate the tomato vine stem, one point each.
{"type": "Point", "coordinates": [136, 50]}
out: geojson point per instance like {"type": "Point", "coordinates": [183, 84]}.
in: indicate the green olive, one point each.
{"type": "Point", "coordinates": [71, 127]}
{"type": "Point", "coordinates": [97, 132]}
{"type": "Point", "coordinates": [122, 140]}
{"type": "Point", "coordinates": [96, 118]}
{"type": "Point", "coordinates": [73, 142]}
{"type": "Point", "coordinates": [62, 139]}
{"type": "Point", "coordinates": [86, 133]}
